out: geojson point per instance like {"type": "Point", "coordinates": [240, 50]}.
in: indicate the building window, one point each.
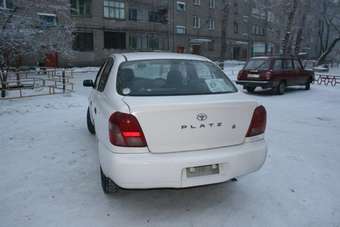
{"type": "Point", "coordinates": [114, 9]}
{"type": "Point", "coordinates": [114, 40]}
{"type": "Point", "coordinates": [253, 29]}
{"type": "Point", "coordinates": [196, 23]}
{"type": "Point", "coordinates": [211, 25]}
{"type": "Point", "coordinates": [263, 31]}
{"type": "Point", "coordinates": [47, 20]}
{"type": "Point", "coordinates": [82, 41]}
{"type": "Point", "coordinates": [81, 7]}
{"type": "Point", "coordinates": [137, 14]}
{"type": "Point", "coordinates": [235, 8]}
{"type": "Point", "coordinates": [132, 42]}
{"type": "Point", "coordinates": [258, 30]}
{"type": "Point", "coordinates": [137, 41]}
{"type": "Point", "coordinates": [6, 4]}
{"type": "Point", "coordinates": [235, 27]}
{"type": "Point", "coordinates": [158, 16]}
{"type": "Point", "coordinates": [270, 17]}
{"type": "Point", "coordinates": [180, 6]}
{"type": "Point", "coordinates": [197, 2]}
{"type": "Point", "coordinates": [133, 14]}
{"type": "Point", "coordinates": [212, 4]}
{"type": "Point", "coordinates": [180, 29]}
{"type": "Point", "coordinates": [153, 43]}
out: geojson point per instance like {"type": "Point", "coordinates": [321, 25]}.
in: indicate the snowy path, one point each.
{"type": "Point", "coordinates": [49, 173]}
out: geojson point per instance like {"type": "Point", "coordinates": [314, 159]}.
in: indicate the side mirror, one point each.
{"type": "Point", "coordinates": [88, 83]}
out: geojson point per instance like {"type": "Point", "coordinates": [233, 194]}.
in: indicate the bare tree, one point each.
{"type": "Point", "coordinates": [224, 24]}
{"type": "Point", "coordinates": [301, 25]}
{"type": "Point", "coordinates": [329, 28]}
{"type": "Point", "coordinates": [286, 42]}
{"type": "Point", "coordinates": [25, 33]}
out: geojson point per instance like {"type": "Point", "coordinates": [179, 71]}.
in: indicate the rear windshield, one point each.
{"type": "Point", "coordinates": [258, 64]}
{"type": "Point", "coordinates": [171, 77]}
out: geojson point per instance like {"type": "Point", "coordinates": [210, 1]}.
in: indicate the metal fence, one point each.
{"type": "Point", "coordinates": [45, 81]}
{"type": "Point", "coordinates": [327, 79]}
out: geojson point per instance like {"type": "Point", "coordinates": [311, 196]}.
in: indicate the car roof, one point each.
{"type": "Point", "coordinates": [135, 56]}
{"type": "Point", "coordinates": [274, 57]}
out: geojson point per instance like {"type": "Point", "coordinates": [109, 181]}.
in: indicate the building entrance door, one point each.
{"type": "Point", "coordinates": [236, 53]}
{"type": "Point", "coordinates": [196, 49]}
{"type": "Point", "coordinates": [180, 49]}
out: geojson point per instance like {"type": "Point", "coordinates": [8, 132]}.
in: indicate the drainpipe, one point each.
{"type": "Point", "coordinates": [169, 26]}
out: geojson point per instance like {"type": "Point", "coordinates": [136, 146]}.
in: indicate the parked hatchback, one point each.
{"type": "Point", "coordinates": [276, 73]}
{"type": "Point", "coordinates": [171, 121]}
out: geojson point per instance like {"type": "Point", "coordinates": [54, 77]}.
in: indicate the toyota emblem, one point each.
{"type": "Point", "coordinates": [202, 117]}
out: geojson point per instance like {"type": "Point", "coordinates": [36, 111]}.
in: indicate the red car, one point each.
{"type": "Point", "coordinates": [276, 73]}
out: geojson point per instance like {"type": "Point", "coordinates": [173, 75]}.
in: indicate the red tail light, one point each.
{"type": "Point", "coordinates": [258, 122]}
{"type": "Point", "coordinates": [125, 131]}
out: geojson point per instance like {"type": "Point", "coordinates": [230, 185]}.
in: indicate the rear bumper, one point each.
{"type": "Point", "coordinates": [168, 170]}
{"type": "Point", "coordinates": [254, 83]}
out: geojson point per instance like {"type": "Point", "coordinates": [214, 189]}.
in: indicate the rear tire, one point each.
{"type": "Point", "coordinates": [250, 89]}
{"type": "Point", "coordinates": [280, 89]}
{"type": "Point", "coordinates": [307, 86]}
{"type": "Point", "coordinates": [3, 93]}
{"type": "Point", "coordinates": [108, 185]}
{"type": "Point", "coordinates": [90, 126]}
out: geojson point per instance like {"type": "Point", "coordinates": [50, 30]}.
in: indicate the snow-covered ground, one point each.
{"type": "Point", "coordinates": [231, 68]}
{"type": "Point", "coordinates": [49, 172]}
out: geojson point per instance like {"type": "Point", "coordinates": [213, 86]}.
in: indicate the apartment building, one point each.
{"type": "Point", "coordinates": [103, 27]}
{"type": "Point", "coordinates": [250, 30]}
{"type": "Point", "coordinates": [108, 26]}
{"type": "Point", "coordinates": [196, 27]}
{"type": "Point", "coordinates": [185, 26]}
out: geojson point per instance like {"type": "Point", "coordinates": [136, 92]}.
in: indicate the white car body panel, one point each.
{"type": "Point", "coordinates": [162, 119]}
{"type": "Point", "coordinates": [171, 150]}
{"type": "Point", "coordinates": [167, 170]}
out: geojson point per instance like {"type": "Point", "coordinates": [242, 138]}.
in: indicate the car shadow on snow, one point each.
{"type": "Point", "coordinates": [179, 202]}
{"type": "Point", "coordinates": [268, 92]}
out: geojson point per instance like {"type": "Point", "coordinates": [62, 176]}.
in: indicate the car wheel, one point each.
{"type": "Point", "coordinates": [250, 89]}
{"type": "Point", "coordinates": [307, 86]}
{"type": "Point", "coordinates": [280, 89]}
{"type": "Point", "coordinates": [107, 184]}
{"type": "Point", "coordinates": [3, 93]}
{"type": "Point", "coordinates": [90, 126]}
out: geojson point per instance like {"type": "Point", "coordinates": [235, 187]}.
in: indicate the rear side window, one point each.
{"type": "Point", "coordinates": [99, 75]}
{"type": "Point", "coordinates": [258, 64]}
{"type": "Point", "coordinates": [288, 65]}
{"type": "Point", "coordinates": [105, 74]}
{"type": "Point", "coordinates": [171, 77]}
{"type": "Point", "coordinates": [297, 65]}
{"type": "Point", "coordinates": [277, 65]}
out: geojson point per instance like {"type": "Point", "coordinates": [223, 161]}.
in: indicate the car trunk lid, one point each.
{"type": "Point", "coordinates": [184, 123]}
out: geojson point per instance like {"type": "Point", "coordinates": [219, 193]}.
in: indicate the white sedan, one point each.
{"type": "Point", "coordinates": [166, 120]}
